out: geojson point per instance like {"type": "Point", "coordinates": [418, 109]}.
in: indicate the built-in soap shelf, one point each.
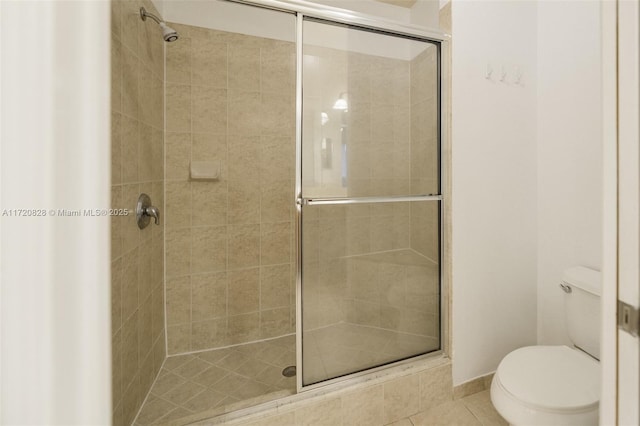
{"type": "Point", "coordinates": [205, 170]}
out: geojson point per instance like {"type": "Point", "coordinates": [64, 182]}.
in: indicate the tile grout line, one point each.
{"type": "Point", "coordinates": [149, 392]}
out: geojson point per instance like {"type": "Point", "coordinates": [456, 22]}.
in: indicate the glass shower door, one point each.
{"type": "Point", "coordinates": [370, 200]}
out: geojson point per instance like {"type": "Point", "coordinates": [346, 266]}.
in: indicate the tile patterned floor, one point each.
{"type": "Point", "coordinates": [231, 378]}
{"type": "Point", "coordinates": [194, 383]}
{"type": "Point", "coordinates": [472, 410]}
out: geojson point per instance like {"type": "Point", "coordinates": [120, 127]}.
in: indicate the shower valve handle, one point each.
{"type": "Point", "coordinates": [153, 212]}
{"type": "Point", "coordinates": [145, 211]}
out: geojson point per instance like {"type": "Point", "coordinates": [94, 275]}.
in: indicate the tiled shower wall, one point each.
{"type": "Point", "coordinates": [424, 176]}
{"type": "Point", "coordinates": [137, 292]}
{"type": "Point", "coordinates": [358, 263]}
{"type": "Point", "coordinates": [230, 251]}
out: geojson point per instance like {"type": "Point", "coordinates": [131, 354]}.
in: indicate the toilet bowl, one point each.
{"type": "Point", "coordinates": [547, 385]}
{"type": "Point", "coordinates": [557, 385]}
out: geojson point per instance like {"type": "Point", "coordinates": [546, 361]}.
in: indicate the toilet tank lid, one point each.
{"type": "Point", "coordinates": [584, 278]}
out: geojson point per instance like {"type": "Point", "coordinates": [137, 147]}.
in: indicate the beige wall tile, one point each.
{"type": "Point", "coordinates": [145, 259]}
{"type": "Point", "coordinates": [401, 398]}
{"type": "Point", "coordinates": [147, 375]}
{"type": "Point", "coordinates": [157, 263]}
{"type": "Point", "coordinates": [210, 203]}
{"type": "Point", "coordinates": [145, 153]}
{"type": "Point", "coordinates": [244, 246]}
{"type": "Point", "coordinates": [131, 400]}
{"type": "Point", "coordinates": [149, 104]}
{"type": "Point", "coordinates": [130, 89]}
{"type": "Point", "coordinates": [116, 148]}
{"type": "Point", "coordinates": [145, 339]}
{"type": "Point", "coordinates": [137, 99]}
{"type": "Point", "coordinates": [244, 291]}
{"type": "Point", "coordinates": [129, 284]}
{"type": "Point", "coordinates": [277, 68]}
{"type": "Point", "coordinates": [436, 387]}
{"type": "Point", "coordinates": [178, 339]}
{"type": "Point", "coordinates": [277, 113]}
{"type": "Point", "coordinates": [116, 223]}
{"type": "Point", "coordinates": [211, 76]}
{"type": "Point", "coordinates": [275, 420]}
{"type": "Point", "coordinates": [209, 109]}
{"type": "Point", "coordinates": [364, 407]}
{"type": "Point", "coordinates": [178, 61]}
{"type": "Point", "coordinates": [209, 296]}
{"type": "Point", "coordinates": [242, 205]}
{"type": "Point", "coordinates": [130, 137]}
{"type": "Point", "coordinates": [275, 286]}
{"type": "Point", "coordinates": [178, 300]}
{"type": "Point", "coordinates": [275, 243]}
{"type": "Point", "coordinates": [129, 22]}
{"type": "Point", "coordinates": [274, 322]}
{"type": "Point", "coordinates": [244, 68]}
{"type": "Point", "coordinates": [178, 107]}
{"type": "Point", "coordinates": [244, 158]}
{"type": "Point", "coordinates": [157, 313]}
{"type": "Point", "coordinates": [209, 333]}
{"type": "Point", "coordinates": [276, 201]}
{"type": "Point", "coordinates": [207, 147]}
{"type": "Point", "coordinates": [178, 155]}
{"type": "Point", "coordinates": [116, 19]}
{"type": "Point", "coordinates": [321, 413]}
{"type": "Point", "coordinates": [209, 63]}
{"type": "Point", "coordinates": [245, 113]}
{"type": "Point", "coordinates": [129, 228]}
{"type": "Point", "coordinates": [243, 328]}
{"type": "Point", "coordinates": [116, 368]}
{"type": "Point", "coordinates": [129, 350]}
{"type": "Point", "coordinates": [178, 204]}
{"type": "Point", "coordinates": [209, 249]}
{"type": "Point", "coordinates": [178, 251]}
{"type": "Point", "coordinates": [116, 295]}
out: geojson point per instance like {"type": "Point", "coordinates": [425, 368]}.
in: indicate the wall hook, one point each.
{"type": "Point", "coordinates": [488, 73]}
{"type": "Point", "coordinates": [518, 73]}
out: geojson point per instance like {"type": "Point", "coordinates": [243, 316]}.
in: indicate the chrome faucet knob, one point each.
{"type": "Point", "coordinates": [153, 212]}
{"type": "Point", "coordinates": [145, 211]}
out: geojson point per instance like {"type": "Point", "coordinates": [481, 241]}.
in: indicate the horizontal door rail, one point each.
{"type": "Point", "coordinates": [366, 200]}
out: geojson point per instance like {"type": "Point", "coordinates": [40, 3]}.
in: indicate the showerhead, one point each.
{"type": "Point", "coordinates": [168, 33]}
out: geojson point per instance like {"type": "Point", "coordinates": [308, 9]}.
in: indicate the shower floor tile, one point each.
{"type": "Point", "coordinates": [346, 348]}
{"type": "Point", "coordinates": [219, 379]}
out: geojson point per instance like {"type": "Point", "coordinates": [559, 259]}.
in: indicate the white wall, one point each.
{"type": "Point", "coordinates": [569, 152]}
{"type": "Point", "coordinates": [494, 184]}
{"type": "Point", "coordinates": [55, 362]}
{"type": "Point", "coordinates": [527, 164]}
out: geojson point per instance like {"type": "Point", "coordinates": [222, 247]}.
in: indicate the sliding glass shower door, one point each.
{"type": "Point", "coordinates": [370, 199]}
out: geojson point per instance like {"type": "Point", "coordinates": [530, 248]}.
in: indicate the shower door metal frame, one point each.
{"type": "Point", "coordinates": [390, 29]}
{"type": "Point", "coordinates": [332, 15]}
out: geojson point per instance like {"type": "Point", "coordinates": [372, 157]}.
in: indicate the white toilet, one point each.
{"type": "Point", "coordinates": [557, 385]}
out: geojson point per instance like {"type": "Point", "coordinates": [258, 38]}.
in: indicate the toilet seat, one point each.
{"type": "Point", "coordinates": [551, 385]}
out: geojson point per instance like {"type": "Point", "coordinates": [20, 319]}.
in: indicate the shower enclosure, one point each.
{"type": "Point", "coordinates": [369, 199]}
{"type": "Point", "coordinates": [318, 243]}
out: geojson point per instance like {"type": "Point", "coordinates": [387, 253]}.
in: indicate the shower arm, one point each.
{"type": "Point", "coordinates": [144, 15]}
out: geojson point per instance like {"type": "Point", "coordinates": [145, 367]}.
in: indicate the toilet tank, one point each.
{"type": "Point", "coordinates": [582, 308]}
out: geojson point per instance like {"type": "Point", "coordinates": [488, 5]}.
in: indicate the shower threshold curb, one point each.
{"type": "Point", "coordinates": [240, 412]}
